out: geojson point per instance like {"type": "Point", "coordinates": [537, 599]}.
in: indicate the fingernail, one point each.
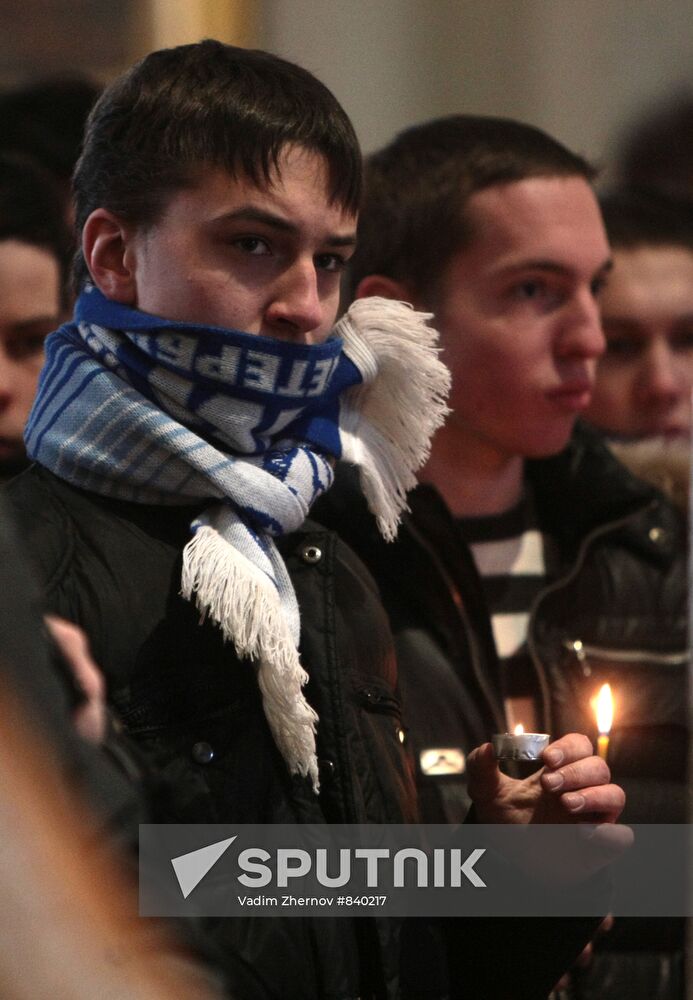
{"type": "Point", "coordinates": [553, 781]}
{"type": "Point", "coordinates": [553, 757]}
{"type": "Point", "coordinates": [574, 802]}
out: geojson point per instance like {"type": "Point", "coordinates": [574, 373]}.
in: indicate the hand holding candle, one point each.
{"type": "Point", "coordinates": [572, 786]}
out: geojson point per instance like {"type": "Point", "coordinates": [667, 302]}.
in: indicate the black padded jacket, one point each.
{"type": "Point", "coordinates": [194, 709]}
{"type": "Point", "coordinates": [615, 610]}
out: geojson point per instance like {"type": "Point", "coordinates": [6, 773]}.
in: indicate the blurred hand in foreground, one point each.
{"type": "Point", "coordinates": [90, 717]}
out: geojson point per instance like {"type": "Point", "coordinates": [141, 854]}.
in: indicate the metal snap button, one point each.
{"type": "Point", "coordinates": [202, 753]}
{"type": "Point", "coordinates": [326, 768]}
{"type": "Point", "coordinates": [311, 554]}
{"type": "Point", "coordinates": [656, 534]}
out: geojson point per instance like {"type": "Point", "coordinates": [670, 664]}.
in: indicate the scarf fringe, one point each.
{"type": "Point", "coordinates": [244, 603]}
{"type": "Point", "coordinates": [387, 422]}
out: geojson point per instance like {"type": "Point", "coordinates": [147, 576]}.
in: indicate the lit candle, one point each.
{"type": "Point", "coordinates": [520, 745]}
{"type": "Point", "coordinates": [604, 708]}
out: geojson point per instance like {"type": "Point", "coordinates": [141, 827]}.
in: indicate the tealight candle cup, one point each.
{"type": "Point", "coordinates": [519, 754]}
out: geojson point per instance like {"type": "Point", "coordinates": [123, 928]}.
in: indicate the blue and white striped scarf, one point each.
{"type": "Point", "coordinates": [141, 408]}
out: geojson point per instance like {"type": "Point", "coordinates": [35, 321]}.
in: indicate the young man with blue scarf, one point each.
{"type": "Point", "coordinates": [177, 459]}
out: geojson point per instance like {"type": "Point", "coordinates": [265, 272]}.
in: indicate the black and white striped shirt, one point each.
{"type": "Point", "coordinates": [512, 554]}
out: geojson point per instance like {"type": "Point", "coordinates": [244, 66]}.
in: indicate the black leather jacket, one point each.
{"type": "Point", "coordinates": [615, 611]}
{"type": "Point", "coordinates": [194, 709]}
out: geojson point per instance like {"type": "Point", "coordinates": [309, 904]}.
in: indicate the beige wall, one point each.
{"type": "Point", "coordinates": [163, 23]}
{"type": "Point", "coordinates": [579, 68]}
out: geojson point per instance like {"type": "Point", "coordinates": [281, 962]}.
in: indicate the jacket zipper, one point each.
{"type": "Point", "coordinates": [583, 650]}
{"type": "Point", "coordinates": [564, 581]}
{"type": "Point", "coordinates": [466, 626]}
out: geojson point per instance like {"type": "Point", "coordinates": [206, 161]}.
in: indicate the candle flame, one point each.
{"type": "Point", "coordinates": [519, 729]}
{"type": "Point", "coordinates": [604, 706]}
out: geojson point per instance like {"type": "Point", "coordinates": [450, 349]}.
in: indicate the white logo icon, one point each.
{"type": "Point", "coordinates": [191, 868]}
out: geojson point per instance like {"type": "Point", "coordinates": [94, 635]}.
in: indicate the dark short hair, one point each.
{"type": "Point", "coordinates": [416, 188]}
{"type": "Point", "coordinates": [207, 104]}
{"type": "Point", "coordinates": [45, 120]}
{"type": "Point", "coordinates": [647, 218]}
{"type": "Point", "coordinates": [32, 211]}
{"type": "Point", "coordinates": [657, 153]}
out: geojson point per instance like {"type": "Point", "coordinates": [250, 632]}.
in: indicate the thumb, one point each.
{"type": "Point", "coordinates": [484, 778]}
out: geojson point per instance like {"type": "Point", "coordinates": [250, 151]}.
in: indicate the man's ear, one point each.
{"type": "Point", "coordinates": [108, 254]}
{"type": "Point", "coordinates": [387, 288]}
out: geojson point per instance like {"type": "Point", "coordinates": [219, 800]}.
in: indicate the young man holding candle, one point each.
{"type": "Point", "coordinates": [548, 569]}
{"type": "Point", "coordinates": [177, 457]}
{"type": "Point", "coordinates": [533, 567]}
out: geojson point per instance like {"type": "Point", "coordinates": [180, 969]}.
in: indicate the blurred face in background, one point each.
{"type": "Point", "coordinates": [645, 377]}
{"type": "Point", "coordinates": [30, 309]}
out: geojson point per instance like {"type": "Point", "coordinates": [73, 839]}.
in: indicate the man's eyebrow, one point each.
{"type": "Point", "coordinates": [28, 325]}
{"type": "Point", "coordinates": [250, 214]}
{"type": "Point", "coordinates": [627, 324]}
{"type": "Point", "coordinates": [553, 267]}
{"type": "Point", "coordinates": [345, 240]}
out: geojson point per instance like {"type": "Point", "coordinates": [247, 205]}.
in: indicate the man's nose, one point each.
{"type": "Point", "coordinates": [296, 310]}
{"type": "Point", "coordinates": [659, 377]}
{"type": "Point", "coordinates": [583, 334]}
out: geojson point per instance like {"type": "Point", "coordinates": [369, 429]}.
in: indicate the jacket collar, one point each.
{"type": "Point", "coordinates": [581, 490]}
{"type": "Point", "coordinates": [585, 488]}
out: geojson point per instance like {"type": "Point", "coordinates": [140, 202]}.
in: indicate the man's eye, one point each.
{"type": "Point", "coordinates": [598, 285]}
{"type": "Point", "coordinates": [330, 262]}
{"type": "Point", "coordinates": [682, 339]}
{"type": "Point", "coordinates": [252, 245]}
{"type": "Point", "coordinates": [537, 291]}
{"type": "Point", "coordinates": [530, 289]}
{"type": "Point", "coordinates": [622, 347]}
{"type": "Point", "coordinates": [27, 346]}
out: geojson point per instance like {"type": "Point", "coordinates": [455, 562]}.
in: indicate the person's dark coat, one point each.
{"type": "Point", "coordinates": [615, 610]}
{"type": "Point", "coordinates": [193, 708]}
